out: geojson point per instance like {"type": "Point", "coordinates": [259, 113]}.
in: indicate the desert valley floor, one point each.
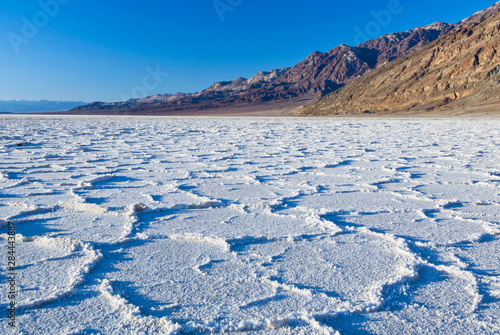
{"type": "Point", "coordinates": [265, 226]}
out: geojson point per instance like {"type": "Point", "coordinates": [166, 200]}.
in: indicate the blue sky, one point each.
{"type": "Point", "coordinates": [95, 50]}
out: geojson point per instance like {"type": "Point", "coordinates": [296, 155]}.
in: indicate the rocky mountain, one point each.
{"type": "Point", "coordinates": [479, 16]}
{"type": "Point", "coordinates": [316, 76]}
{"type": "Point", "coordinates": [242, 84]}
{"type": "Point", "coordinates": [133, 103]}
{"type": "Point", "coordinates": [457, 72]}
{"type": "Point", "coordinates": [393, 46]}
{"type": "Point", "coordinates": [23, 106]}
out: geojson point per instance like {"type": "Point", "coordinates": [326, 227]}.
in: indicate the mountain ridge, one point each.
{"type": "Point", "coordinates": [458, 71]}
{"type": "Point", "coordinates": [316, 76]}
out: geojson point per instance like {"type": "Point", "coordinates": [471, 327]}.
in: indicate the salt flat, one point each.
{"type": "Point", "coordinates": [265, 226]}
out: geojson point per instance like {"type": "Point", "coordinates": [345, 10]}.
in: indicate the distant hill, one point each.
{"type": "Point", "coordinates": [22, 106]}
{"type": "Point", "coordinates": [317, 75]}
{"type": "Point", "coordinates": [459, 72]}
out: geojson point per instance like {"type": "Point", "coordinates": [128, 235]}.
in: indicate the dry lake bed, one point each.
{"type": "Point", "coordinates": [129, 225]}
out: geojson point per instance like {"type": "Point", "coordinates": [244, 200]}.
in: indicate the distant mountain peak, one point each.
{"type": "Point", "coordinates": [438, 26]}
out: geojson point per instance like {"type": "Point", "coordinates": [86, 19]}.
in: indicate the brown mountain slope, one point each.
{"type": "Point", "coordinates": [459, 71]}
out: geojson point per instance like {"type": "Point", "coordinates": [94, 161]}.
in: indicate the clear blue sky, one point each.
{"type": "Point", "coordinates": [105, 49]}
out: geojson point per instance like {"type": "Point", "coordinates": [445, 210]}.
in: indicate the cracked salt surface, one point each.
{"type": "Point", "coordinates": [263, 226]}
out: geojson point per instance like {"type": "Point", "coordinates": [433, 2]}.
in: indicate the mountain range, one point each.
{"type": "Point", "coordinates": [23, 106]}
{"type": "Point", "coordinates": [452, 75]}
{"type": "Point", "coordinates": [330, 75]}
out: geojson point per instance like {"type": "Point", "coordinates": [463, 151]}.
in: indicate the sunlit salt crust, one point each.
{"type": "Point", "coordinates": [266, 226]}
